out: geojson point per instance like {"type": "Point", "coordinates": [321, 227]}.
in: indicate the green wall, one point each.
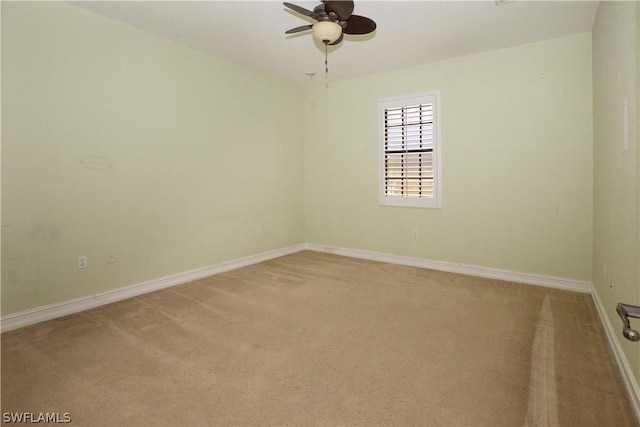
{"type": "Point", "coordinates": [616, 77]}
{"type": "Point", "coordinates": [516, 160]}
{"type": "Point", "coordinates": [115, 139]}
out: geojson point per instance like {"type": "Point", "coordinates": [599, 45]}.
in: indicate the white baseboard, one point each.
{"type": "Point", "coordinates": [470, 270]}
{"type": "Point", "coordinates": [52, 311]}
{"type": "Point", "coordinates": [623, 364]}
{"type": "Point", "coordinates": [553, 282]}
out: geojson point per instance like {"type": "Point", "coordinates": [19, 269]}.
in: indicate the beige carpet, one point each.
{"type": "Point", "coordinates": [318, 339]}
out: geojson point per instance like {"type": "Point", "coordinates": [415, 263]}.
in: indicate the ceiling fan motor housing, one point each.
{"type": "Point", "coordinates": [333, 19]}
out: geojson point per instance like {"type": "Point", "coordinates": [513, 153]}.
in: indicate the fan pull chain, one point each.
{"type": "Point", "coordinates": [326, 65]}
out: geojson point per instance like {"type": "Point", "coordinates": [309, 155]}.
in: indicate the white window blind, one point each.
{"type": "Point", "coordinates": [410, 151]}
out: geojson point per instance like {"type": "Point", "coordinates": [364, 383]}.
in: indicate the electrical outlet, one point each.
{"type": "Point", "coordinates": [112, 256]}
{"type": "Point", "coordinates": [82, 262]}
{"type": "Point", "coordinates": [260, 231]}
{"type": "Point", "coordinates": [415, 234]}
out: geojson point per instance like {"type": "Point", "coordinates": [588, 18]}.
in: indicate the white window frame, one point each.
{"type": "Point", "coordinates": [434, 202]}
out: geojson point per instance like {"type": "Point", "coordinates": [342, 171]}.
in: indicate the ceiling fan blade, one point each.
{"type": "Point", "coordinates": [300, 10]}
{"type": "Point", "coordinates": [359, 25]}
{"type": "Point", "coordinates": [343, 9]}
{"type": "Point", "coordinates": [337, 41]}
{"type": "Point", "coordinates": [299, 29]}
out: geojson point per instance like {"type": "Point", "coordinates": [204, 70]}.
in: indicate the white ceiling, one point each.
{"type": "Point", "coordinates": [409, 32]}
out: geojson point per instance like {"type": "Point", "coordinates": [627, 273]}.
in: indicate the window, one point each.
{"type": "Point", "coordinates": [410, 151]}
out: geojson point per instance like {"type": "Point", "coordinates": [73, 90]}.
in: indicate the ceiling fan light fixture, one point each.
{"type": "Point", "coordinates": [326, 31]}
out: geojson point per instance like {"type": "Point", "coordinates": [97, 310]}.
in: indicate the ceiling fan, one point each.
{"type": "Point", "coordinates": [334, 20]}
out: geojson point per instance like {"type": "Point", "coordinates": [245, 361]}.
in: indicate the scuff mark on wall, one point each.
{"type": "Point", "coordinates": [96, 163]}
{"type": "Point", "coordinates": [14, 258]}
{"type": "Point", "coordinates": [45, 233]}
